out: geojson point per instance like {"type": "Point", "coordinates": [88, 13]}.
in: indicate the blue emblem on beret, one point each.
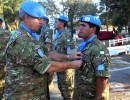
{"type": "Point", "coordinates": [91, 19]}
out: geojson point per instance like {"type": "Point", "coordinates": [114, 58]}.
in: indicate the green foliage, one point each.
{"type": "Point", "coordinates": [9, 9]}
{"type": "Point", "coordinates": [76, 8]}
{"type": "Point", "coordinates": [87, 8]}
{"type": "Point", "coordinates": [51, 8]}
{"type": "Point", "coordinates": [116, 11]}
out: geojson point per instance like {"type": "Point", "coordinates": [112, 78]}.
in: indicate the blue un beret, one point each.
{"type": "Point", "coordinates": [63, 18]}
{"type": "Point", "coordinates": [34, 9]}
{"type": "Point", "coordinates": [91, 19]}
{"type": "Point", "coordinates": [45, 17]}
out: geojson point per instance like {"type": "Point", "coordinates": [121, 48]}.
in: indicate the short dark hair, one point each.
{"type": "Point", "coordinates": [1, 20]}
{"type": "Point", "coordinates": [65, 23]}
{"type": "Point", "coordinates": [22, 13]}
{"type": "Point", "coordinates": [92, 25]}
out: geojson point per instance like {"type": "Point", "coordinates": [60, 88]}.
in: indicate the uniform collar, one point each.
{"type": "Point", "coordinates": [43, 28]}
{"type": "Point", "coordinates": [58, 33]}
{"type": "Point", "coordinates": [85, 43]}
{"type": "Point", "coordinates": [33, 34]}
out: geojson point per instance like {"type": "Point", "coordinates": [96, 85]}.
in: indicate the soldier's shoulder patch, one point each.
{"type": "Point", "coordinates": [40, 52]}
{"type": "Point", "coordinates": [102, 52]}
{"type": "Point", "coordinates": [101, 67]}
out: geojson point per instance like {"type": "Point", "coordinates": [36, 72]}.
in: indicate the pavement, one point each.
{"type": "Point", "coordinates": [55, 93]}
{"type": "Point", "coordinates": [120, 77]}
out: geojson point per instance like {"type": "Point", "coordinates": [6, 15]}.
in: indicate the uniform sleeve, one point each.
{"type": "Point", "coordinates": [24, 52]}
{"type": "Point", "coordinates": [70, 45]}
{"type": "Point", "coordinates": [70, 41]}
{"type": "Point", "coordinates": [43, 65]}
{"type": "Point", "coordinates": [48, 36]}
{"type": "Point", "coordinates": [101, 61]}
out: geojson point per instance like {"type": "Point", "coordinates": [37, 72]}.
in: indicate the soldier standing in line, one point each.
{"type": "Point", "coordinates": [91, 80]}
{"type": "Point", "coordinates": [27, 62]}
{"type": "Point", "coordinates": [63, 44]}
{"type": "Point", "coordinates": [45, 36]}
{"type": "Point", "coordinates": [46, 33]}
{"type": "Point", "coordinates": [4, 37]}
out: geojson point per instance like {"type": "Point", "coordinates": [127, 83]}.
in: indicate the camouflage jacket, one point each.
{"type": "Point", "coordinates": [26, 77]}
{"type": "Point", "coordinates": [4, 38]}
{"type": "Point", "coordinates": [96, 62]}
{"type": "Point", "coordinates": [62, 42]}
{"type": "Point", "coordinates": [46, 35]}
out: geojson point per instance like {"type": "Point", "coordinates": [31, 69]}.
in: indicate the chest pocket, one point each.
{"type": "Point", "coordinates": [87, 65]}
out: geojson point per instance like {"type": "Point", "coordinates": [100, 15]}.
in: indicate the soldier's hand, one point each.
{"type": "Point", "coordinates": [76, 64]}
{"type": "Point", "coordinates": [75, 56]}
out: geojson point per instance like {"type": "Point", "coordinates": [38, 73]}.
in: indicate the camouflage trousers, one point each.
{"type": "Point", "coordinates": [66, 83]}
{"type": "Point", "coordinates": [2, 81]}
{"type": "Point", "coordinates": [51, 78]}
{"type": "Point", "coordinates": [81, 93]}
{"type": "Point", "coordinates": [15, 97]}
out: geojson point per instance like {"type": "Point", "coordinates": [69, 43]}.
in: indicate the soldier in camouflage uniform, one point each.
{"type": "Point", "coordinates": [27, 62]}
{"type": "Point", "coordinates": [4, 37]}
{"type": "Point", "coordinates": [46, 33]}
{"type": "Point", "coordinates": [91, 80]}
{"type": "Point", "coordinates": [45, 36]}
{"type": "Point", "coordinates": [63, 44]}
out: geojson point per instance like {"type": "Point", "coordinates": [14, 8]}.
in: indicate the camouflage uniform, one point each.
{"type": "Point", "coordinates": [65, 78]}
{"type": "Point", "coordinates": [46, 35]}
{"type": "Point", "coordinates": [25, 68]}
{"type": "Point", "coordinates": [4, 37]}
{"type": "Point", "coordinates": [85, 78]}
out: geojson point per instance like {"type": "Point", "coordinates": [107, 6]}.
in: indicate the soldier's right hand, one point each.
{"type": "Point", "coordinates": [75, 55]}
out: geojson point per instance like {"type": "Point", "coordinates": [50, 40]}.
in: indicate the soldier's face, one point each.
{"type": "Point", "coordinates": [57, 24]}
{"type": "Point", "coordinates": [33, 23]}
{"type": "Point", "coordinates": [85, 31]}
{"type": "Point", "coordinates": [44, 22]}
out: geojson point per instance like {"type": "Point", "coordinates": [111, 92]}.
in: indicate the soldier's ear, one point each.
{"type": "Point", "coordinates": [62, 23]}
{"type": "Point", "coordinates": [93, 29]}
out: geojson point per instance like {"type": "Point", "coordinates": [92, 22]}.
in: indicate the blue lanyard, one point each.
{"type": "Point", "coordinates": [33, 34]}
{"type": "Point", "coordinates": [84, 44]}
{"type": "Point", "coordinates": [43, 28]}
{"type": "Point", "coordinates": [58, 33]}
